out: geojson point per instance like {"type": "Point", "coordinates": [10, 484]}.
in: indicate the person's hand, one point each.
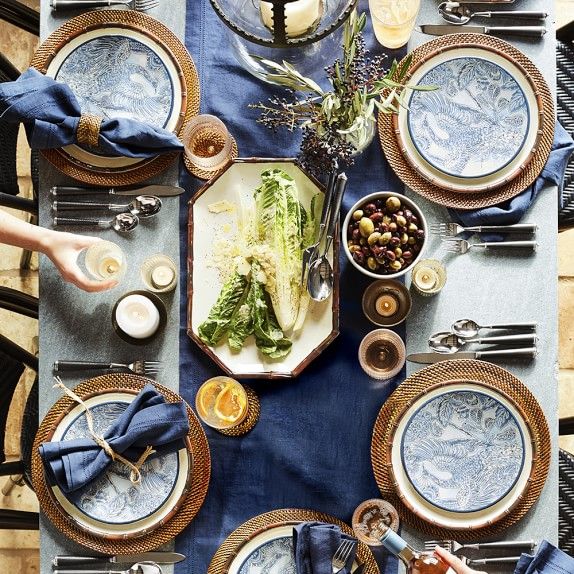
{"type": "Point", "coordinates": [455, 563]}
{"type": "Point", "coordinates": [63, 249]}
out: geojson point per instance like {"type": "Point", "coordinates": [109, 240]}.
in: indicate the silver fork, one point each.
{"type": "Point", "coordinates": [148, 368]}
{"type": "Point", "coordinates": [462, 246]}
{"type": "Point", "coordinates": [342, 555]}
{"type": "Point", "coordinates": [138, 5]}
{"type": "Point", "coordinates": [454, 229]}
{"type": "Point", "coordinates": [453, 546]}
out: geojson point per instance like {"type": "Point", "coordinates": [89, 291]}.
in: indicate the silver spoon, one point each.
{"type": "Point", "coordinates": [449, 343]}
{"type": "Point", "coordinates": [142, 206]}
{"type": "Point", "coordinates": [467, 328]}
{"type": "Point", "coordinates": [138, 568]}
{"type": "Point", "coordinates": [122, 222]}
{"type": "Point", "coordinates": [320, 278]}
{"type": "Point", "coordinates": [455, 13]}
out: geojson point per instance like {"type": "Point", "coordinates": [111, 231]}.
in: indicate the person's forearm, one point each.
{"type": "Point", "coordinates": [14, 231]}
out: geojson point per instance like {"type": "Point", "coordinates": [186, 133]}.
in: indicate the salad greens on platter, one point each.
{"type": "Point", "coordinates": [263, 296]}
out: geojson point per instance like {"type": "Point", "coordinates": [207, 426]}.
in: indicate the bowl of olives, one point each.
{"type": "Point", "coordinates": [384, 234]}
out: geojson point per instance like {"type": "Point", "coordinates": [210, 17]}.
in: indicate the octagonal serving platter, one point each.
{"type": "Point", "coordinates": [207, 229]}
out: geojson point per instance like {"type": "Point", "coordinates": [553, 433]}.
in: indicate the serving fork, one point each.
{"type": "Point", "coordinates": [454, 229]}
{"type": "Point", "coordinates": [138, 5]}
{"type": "Point", "coordinates": [453, 546]}
{"type": "Point", "coordinates": [147, 368]}
{"type": "Point", "coordinates": [341, 555]}
{"type": "Point", "coordinates": [461, 246]}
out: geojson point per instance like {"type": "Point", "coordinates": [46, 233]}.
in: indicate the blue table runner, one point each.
{"type": "Point", "coordinates": [311, 446]}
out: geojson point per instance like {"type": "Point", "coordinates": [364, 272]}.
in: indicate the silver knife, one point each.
{"type": "Point", "coordinates": [157, 190]}
{"type": "Point", "coordinates": [443, 29]}
{"type": "Point", "coordinates": [429, 358]}
{"type": "Point", "coordinates": [158, 557]}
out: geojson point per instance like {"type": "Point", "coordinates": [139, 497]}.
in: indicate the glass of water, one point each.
{"type": "Point", "coordinates": [393, 20]}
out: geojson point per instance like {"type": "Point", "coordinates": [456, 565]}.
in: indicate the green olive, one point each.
{"type": "Point", "coordinates": [372, 264]}
{"type": "Point", "coordinates": [395, 265]}
{"type": "Point", "coordinates": [411, 241]}
{"type": "Point", "coordinates": [393, 204]}
{"type": "Point", "coordinates": [398, 252]}
{"type": "Point", "coordinates": [366, 227]}
{"type": "Point", "coordinates": [354, 247]}
{"type": "Point", "coordinates": [404, 238]}
{"type": "Point", "coordinates": [412, 228]}
{"type": "Point", "coordinates": [373, 238]}
{"type": "Point", "coordinates": [401, 221]}
{"type": "Point", "coordinates": [386, 219]}
{"type": "Point", "coordinates": [385, 238]}
{"type": "Point", "coordinates": [358, 214]}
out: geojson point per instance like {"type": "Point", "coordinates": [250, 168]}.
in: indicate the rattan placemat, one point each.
{"type": "Point", "coordinates": [200, 471]}
{"type": "Point", "coordinates": [240, 536]}
{"type": "Point", "coordinates": [409, 175]}
{"type": "Point", "coordinates": [439, 374]}
{"type": "Point", "coordinates": [159, 33]}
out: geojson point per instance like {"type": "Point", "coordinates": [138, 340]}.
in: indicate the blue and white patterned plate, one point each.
{"type": "Point", "coordinates": [479, 129]}
{"type": "Point", "coordinates": [461, 455]}
{"type": "Point", "coordinates": [463, 451]}
{"type": "Point", "coordinates": [119, 73]}
{"type": "Point", "coordinates": [111, 504]}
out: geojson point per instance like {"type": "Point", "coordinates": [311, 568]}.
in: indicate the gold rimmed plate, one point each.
{"type": "Point", "coordinates": [462, 448]}
{"type": "Point", "coordinates": [484, 136]}
{"type": "Point", "coordinates": [111, 515]}
{"type": "Point", "coordinates": [265, 544]}
{"type": "Point", "coordinates": [120, 64]}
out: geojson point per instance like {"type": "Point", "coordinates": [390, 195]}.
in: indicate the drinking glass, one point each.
{"type": "Point", "coordinates": [221, 402]}
{"type": "Point", "coordinates": [393, 20]}
{"type": "Point", "coordinates": [208, 145]}
{"type": "Point", "coordinates": [105, 260]}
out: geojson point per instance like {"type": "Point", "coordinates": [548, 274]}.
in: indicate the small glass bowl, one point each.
{"type": "Point", "coordinates": [382, 354]}
{"type": "Point", "coordinates": [156, 271]}
{"type": "Point", "coordinates": [208, 145]}
{"type": "Point", "coordinates": [386, 303]}
{"type": "Point", "coordinates": [371, 516]}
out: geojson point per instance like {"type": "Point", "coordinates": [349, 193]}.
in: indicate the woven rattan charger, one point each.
{"type": "Point", "coordinates": [240, 536]}
{"type": "Point", "coordinates": [186, 71]}
{"type": "Point", "coordinates": [200, 471]}
{"type": "Point", "coordinates": [409, 175]}
{"type": "Point", "coordinates": [439, 374]}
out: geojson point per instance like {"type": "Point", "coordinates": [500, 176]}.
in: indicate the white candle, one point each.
{"type": "Point", "coordinates": [425, 278]}
{"type": "Point", "coordinates": [137, 316]}
{"type": "Point", "coordinates": [300, 16]}
{"type": "Point", "coordinates": [162, 276]}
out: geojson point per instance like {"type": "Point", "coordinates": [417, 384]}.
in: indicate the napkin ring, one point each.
{"type": "Point", "coordinates": [88, 132]}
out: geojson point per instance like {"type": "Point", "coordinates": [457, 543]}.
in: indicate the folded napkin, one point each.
{"type": "Point", "coordinates": [513, 210]}
{"type": "Point", "coordinates": [148, 421]}
{"type": "Point", "coordinates": [548, 560]}
{"type": "Point", "coordinates": [315, 544]}
{"type": "Point", "coordinates": [51, 114]}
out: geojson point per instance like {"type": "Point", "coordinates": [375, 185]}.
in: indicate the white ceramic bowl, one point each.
{"type": "Point", "coordinates": [384, 195]}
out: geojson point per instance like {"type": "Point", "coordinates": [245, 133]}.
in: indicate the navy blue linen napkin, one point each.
{"type": "Point", "coordinates": [50, 112]}
{"type": "Point", "coordinates": [315, 544]}
{"type": "Point", "coordinates": [513, 210]}
{"type": "Point", "coordinates": [548, 560]}
{"type": "Point", "coordinates": [148, 420]}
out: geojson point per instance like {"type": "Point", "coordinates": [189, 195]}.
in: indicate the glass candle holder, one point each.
{"type": "Point", "coordinates": [428, 277]}
{"type": "Point", "coordinates": [105, 260]}
{"type": "Point", "coordinates": [208, 145]}
{"type": "Point", "coordinates": [370, 519]}
{"type": "Point", "coordinates": [301, 16]}
{"type": "Point", "coordinates": [393, 20]}
{"type": "Point", "coordinates": [386, 302]}
{"type": "Point", "coordinates": [222, 402]}
{"type": "Point", "coordinates": [159, 273]}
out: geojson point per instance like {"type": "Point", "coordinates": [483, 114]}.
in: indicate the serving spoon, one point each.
{"type": "Point", "coordinates": [142, 206]}
{"type": "Point", "coordinates": [449, 343]}
{"type": "Point", "coordinates": [457, 14]}
{"type": "Point", "coordinates": [467, 328]}
{"type": "Point", "coordinates": [320, 278]}
{"type": "Point", "coordinates": [122, 222]}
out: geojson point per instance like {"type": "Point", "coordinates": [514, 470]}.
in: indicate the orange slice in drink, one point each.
{"type": "Point", "coordinates": [230, 405]}
{"type": "Point", "coordinates": [208, 396]}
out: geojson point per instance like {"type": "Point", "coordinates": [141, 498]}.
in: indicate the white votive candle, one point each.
{"type": "Point", "coordinates": [300, 16]}
{"type": "Point", "coordinates": [425, 278]}
{"type": "Point", "coordinates": [137, 316]}
{"type": "Point", "coordinates": [162, 276]}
